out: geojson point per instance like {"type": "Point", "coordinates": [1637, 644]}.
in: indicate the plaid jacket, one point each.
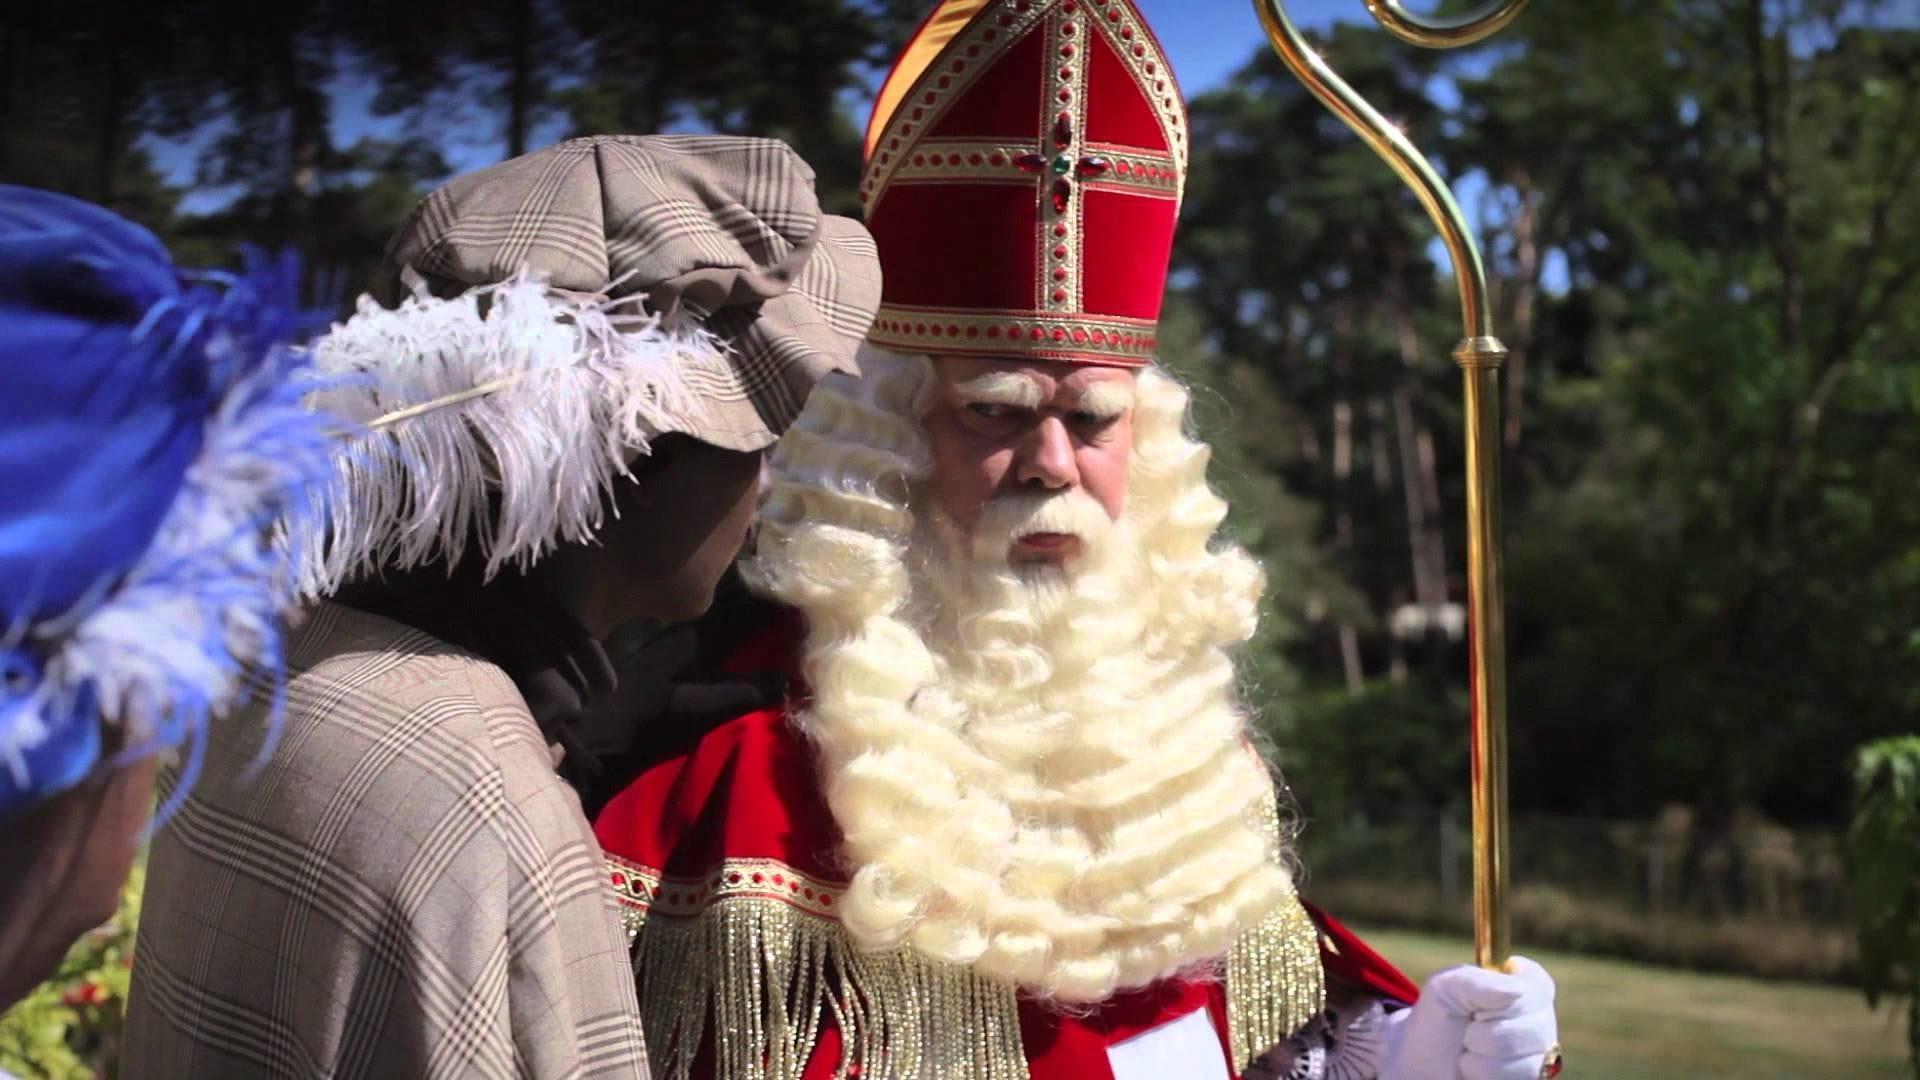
{"type": "Point", "coordinates": [403, 889]}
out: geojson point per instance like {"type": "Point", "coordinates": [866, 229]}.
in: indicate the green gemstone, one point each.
{"type": "Point", "coordinates": [1062, 165]}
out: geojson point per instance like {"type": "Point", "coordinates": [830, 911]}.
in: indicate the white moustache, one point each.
{"type": "Point", "coordinates": [1070, 512]}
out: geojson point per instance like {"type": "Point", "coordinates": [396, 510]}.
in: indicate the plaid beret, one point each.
{"type": "Point", "coordinates": [723, 230]}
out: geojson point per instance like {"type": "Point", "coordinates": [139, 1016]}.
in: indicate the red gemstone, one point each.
{"type": "Point", "coordinates": [993, 331]}
{"type": "Point", "coordinates": [1149, 67]}
{"type": "Point", "coordinates": [1065, 95]}
{"type": "Point", "coordinates": [934, 329]}
{"type": "Point", "coordinates": [733, 878]}
{"type": "Point", "coordinates": [826, 900]}
{"type": "Point", "coordinates": [1031, 163]}
{"type": "Point", "coordinates": [1099, 337]}
{"type": "Point", "coordinates": [974, 159]}
{"type": "Point", "coordinates": [1060, 230]}
{"type": "Point", "coordinates": [1066, 51]}
{"type": "Point", "coordinates": [1139, 49]}
{"type": "Point", "coordinates": [1066, 73]}
{"type": "Point", "coordinates": [1127, 32]}
{"type": "Point", "coordinates": [1060, 335]}
{"type": "Point", "coordinates": [959, 66]}
{"type": "Point", "coordinates": [918, 112]}
{"type": "Point", "coordinates": [1159, 84]}
{"type": "Point", "coordinates": [953, 329]}
{"type": "Point", "coordinates": [1063, 130]}
{"type": "Point", "coordinates": [1059, 296]}
{"type": "Point", "coordinates": [808, 892]}
{"type": "Point", "coordinates": [919, 328]}
{"type": "Point", "coordinates": [943, 82]}
{"type": "Point", "coordinates": [1059, 273]}
{"type": "Point", "coordinates": [1080, 337]}
{"type": "Point", "coordinates": [1094, 166]}
{"type": "Point", "coordinates": [919, 159]}
{"type": "Point", "coordinates": [1113, 14]}
{"type": "Point", "coordinates": [1037, 334]}
{"type": "Point", "coordinates": [758, 878]}
{"type": "Point", "coordinates": [1124, 169]}
{"type": "Point", "coordinates": [1060, 252]}
{"type": "Point", "coordinates": [1067, 29]}
{"type": "Point", "coordinates": [931, 97]}
{"type": "Point", "coordinates": [953, 159]}
{"type": "Point", "coordinates": [974, 50]}
{"type": "Point", "coordinates": [996, 159]}
{"type": "Point", "coordinates": [885, 157]}
{"type": "Point", "coordinates": [779, 880]}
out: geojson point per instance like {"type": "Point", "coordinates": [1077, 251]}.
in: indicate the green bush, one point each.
{"type": "Point", "coordinates": [1884, 864]}
{"type": "Point", "coordinates": [69, 1027]}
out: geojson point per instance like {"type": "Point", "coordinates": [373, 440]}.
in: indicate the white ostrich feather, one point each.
{"type": "Point", "coordinates": [505, 413]}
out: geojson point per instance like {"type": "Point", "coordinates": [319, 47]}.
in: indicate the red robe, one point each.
{"type": "Point", "coordinates": [740, 816]}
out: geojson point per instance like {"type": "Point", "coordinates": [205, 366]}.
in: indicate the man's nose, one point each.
{"type": "Point", "coordinates": [1046, 456]}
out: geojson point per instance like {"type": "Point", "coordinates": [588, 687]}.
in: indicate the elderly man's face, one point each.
{"type": "Point", "coordinates": [1001, 428]}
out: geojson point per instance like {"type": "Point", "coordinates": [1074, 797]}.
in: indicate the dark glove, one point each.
{"type": "Point", "coordinates": [670, 691]}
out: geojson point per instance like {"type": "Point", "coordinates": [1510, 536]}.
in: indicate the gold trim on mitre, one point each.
{"type": "Point", "coordinates": [941, 27]}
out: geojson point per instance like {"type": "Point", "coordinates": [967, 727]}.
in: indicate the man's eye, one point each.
{"type": "Point", "coordinates": [1092, 421]}
{"type": "Point", "coordinates": [989, 411]}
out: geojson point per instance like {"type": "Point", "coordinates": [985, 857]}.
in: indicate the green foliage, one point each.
{"type": "Point", "coordinates": [1884, 865]}
{"type": "Point", "coordinates": [69, 1027]}
{"type": "Point", "coordinates": [1712, 553]}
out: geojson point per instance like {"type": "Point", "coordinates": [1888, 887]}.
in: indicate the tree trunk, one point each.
{"type": "Point", "coordinates": [1521, 298]}
{"type": "Point", "coordinates": [520, 81]}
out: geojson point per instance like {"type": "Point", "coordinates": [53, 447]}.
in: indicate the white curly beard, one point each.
{"type": "Point", "coordinates": [1039, 773]}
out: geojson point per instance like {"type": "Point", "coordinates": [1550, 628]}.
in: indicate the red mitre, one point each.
{"type": "Point", "coordinates": [1024, 168]}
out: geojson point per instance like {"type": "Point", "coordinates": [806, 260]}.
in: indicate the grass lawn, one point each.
{"type": "Point", "coordinates": [1620, 1019]}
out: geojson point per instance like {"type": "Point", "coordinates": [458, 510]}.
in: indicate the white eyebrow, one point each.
{"type": "Point", "coordinates": [1000, 388]}
{"type": "Point", "coordinates": [1108, 400]}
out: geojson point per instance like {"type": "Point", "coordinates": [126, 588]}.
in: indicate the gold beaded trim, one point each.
{"type": "Point", "coordinates": [974, 161]}
{"type": "Point", "coordinates": [968, 333]}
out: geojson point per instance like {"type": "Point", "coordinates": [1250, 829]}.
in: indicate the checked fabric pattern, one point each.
{"type": "Point", "coordinates": [404, 889]}
{"type": "Point", "coordinates": [725, 230]}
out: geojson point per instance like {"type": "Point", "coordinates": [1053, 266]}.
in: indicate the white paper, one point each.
{"type": "Point", "coordinates": [1183, 1049]}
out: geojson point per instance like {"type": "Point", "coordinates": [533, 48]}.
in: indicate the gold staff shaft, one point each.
{"type": "Point", "coordinates": [1479, 355]}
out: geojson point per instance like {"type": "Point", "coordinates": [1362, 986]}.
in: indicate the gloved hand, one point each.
{"type": "Point", "coordinates": [670, 693]}
{"type": "Point", "coordinates": [1475, 1024]}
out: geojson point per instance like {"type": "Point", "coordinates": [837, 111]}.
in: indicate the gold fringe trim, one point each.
{"type": "Point", "coordinates": [1275, 981]}
{"type": "Point", "coordinates": [758, 970]}
{"type": "Point", "coordinates": [755, 950]}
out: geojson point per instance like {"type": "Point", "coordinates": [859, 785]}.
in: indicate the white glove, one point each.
{"type": "Point", "coordinates": [1475, 1024]}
